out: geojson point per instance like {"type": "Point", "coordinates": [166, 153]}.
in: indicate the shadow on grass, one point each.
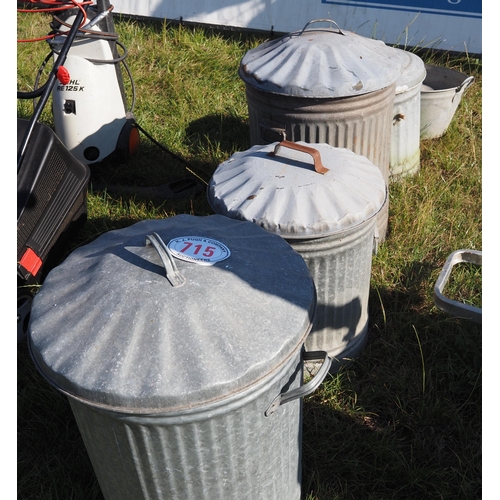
{"type": "Point", "coordinates": [403, 420]}
{"type": "Point", "coordinates": [225, 134]}
{"type": "Point", "coordinates": [210, 139]}
{"type": "Point", "coordinates": [378, 429]}
{"type": "Point", "coordinates": [406, 297]}
{"type": "Point", "coordinates": [390, 445]}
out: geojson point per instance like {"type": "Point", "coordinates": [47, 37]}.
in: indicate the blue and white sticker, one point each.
{"type": "Point", "coordinates": [198, 249]}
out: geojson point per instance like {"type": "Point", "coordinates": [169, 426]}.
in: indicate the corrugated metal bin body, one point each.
{"type": "Point", "coordinates": [233, 452]}
{"type": "Point", "coordinates": [340, 267]}
{"type": "Point", "coordinates": [324, 85]}
{"type": "Point", "coordinates": [361, 124]}
{"type": "Point", "coordinates": [184, 373]}
{"type": "Point", "coordinates": [405, 137]}
{"type": "Point", "coordinates": [329, 219]}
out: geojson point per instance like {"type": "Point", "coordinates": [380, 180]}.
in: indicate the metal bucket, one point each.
{"type": "Point", "coordinates": [442, 91]}
{"type": "Point", "coordinates": [324, 85]}
{"type": "Point", "coordinates": [405, 136]}
{"type": "Point", "coordinates": [183, 361]}
{"type": "Point", "coordinates": [326, 209]}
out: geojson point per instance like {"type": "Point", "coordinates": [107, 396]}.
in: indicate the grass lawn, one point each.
{"type": "Point", "coordinates": [402, 421]}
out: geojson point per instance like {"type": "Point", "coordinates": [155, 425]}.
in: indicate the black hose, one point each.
{"type": "Point", "coordinates": [188, 165]}
{"type": "Point", "coordinates": [104, 61]}
{"type": "Point", "coordinates": [33, 94]}
{"type": "Point", "coordinates": [37, 91]}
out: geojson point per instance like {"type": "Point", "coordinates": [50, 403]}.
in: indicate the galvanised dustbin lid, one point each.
{"type": "Point", "coordinates": [298, 189]}
{"type": "Point", "coordinates": [412, 73]}
{"type": "Point", "coordinates": [123, 325]}
{"type": "Point", "coordinates": [321, 62]}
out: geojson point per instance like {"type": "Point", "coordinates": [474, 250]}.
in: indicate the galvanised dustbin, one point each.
{"type": "Point", "coordinates": [324, 201]}
{"type": "Point", "coordinates": [405, 136]}
{"type": "Point", "coordinates": [180, 345]}
{"type": "Point", "coordinates": [324, 85]}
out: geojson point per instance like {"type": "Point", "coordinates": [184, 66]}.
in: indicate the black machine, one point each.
{"type": "Point", "coordinates": [51, 200]}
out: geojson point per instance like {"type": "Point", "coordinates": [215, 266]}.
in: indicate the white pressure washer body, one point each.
{"type": "Point", "coordinates": [90, 111]}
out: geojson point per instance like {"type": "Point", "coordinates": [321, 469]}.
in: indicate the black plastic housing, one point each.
{"type": "Point", "coordinates": [51, 200]}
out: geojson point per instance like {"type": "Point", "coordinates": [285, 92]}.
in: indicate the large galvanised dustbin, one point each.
{"type": "Point", "coordinates": [324, 201]}
{"type": "Point", "coordinates": [405, 136]}
{"type": "Point", "coordinates": [180, 345]}
{"type": "Point", "coordinates": [324, 85]}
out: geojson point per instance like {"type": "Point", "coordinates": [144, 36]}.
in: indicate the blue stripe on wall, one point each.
{"type": "Point", "coordinates": [462, 8]}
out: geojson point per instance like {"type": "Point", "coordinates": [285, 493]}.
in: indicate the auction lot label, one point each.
{"type": "Point", "coordinates": [198, 249]}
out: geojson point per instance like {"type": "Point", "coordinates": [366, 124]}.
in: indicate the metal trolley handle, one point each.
{"type": "Point", "coordinates": [306, 389]}
{"type": "Point", "coordinates": [455, 307]}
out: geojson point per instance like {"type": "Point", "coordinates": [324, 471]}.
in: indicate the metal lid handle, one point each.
{"type": "Point", "coordinates": [174, 277]}
{"type": "Point", "coordinates": [321, 21]}
{"type": "Point", "coordinates": [318, 165]}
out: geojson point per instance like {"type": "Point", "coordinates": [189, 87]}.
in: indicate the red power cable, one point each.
{"type": "Point", "coordinates": [57, 5]}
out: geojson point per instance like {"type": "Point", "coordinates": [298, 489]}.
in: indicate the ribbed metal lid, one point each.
{"type": "Point", "coordinates": [284, 193]}
{"type": "Point", "coordinates": [107, 327]}
{"type": "Point", "coordinates": [412, 73]}
{"type": "Point", "coordinates": [321, 62]}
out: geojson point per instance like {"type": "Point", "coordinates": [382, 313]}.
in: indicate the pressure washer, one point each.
{"type": "Point", "coordinates": [90, 106]}
{"type": "Point", "coordinates": [92, 123]}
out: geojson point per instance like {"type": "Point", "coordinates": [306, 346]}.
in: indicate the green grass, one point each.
{"type": "Point", "coordinates": [404, 420]}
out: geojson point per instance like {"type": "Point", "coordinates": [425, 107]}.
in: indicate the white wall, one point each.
{"type": "Point", "coordinates": [441, 24]}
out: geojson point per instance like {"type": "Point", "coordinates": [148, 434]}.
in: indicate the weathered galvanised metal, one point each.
{"type": "Point", "coordinates": [180, 345]}
{"type": "Point", "coordinates": [324, 85]}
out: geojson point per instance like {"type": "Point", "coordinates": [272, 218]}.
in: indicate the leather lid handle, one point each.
{"type": "Point", "coordinates": [318, 165]}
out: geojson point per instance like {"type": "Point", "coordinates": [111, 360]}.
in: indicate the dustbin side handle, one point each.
{"type": "Point", "coordinates": [318, 165]}
{"type": "Point", "coordinates": [174, 277]}
{"type": "Point", "coordinates": [306, 389]}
